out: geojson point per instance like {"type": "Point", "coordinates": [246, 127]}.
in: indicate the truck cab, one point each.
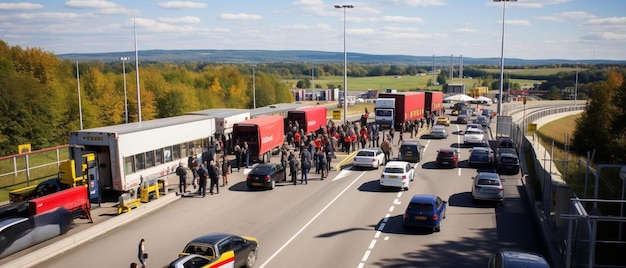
{"type": "Point", "coordinates": [384, 111]}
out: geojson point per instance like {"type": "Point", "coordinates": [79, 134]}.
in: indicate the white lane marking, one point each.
{"type": "Point", "coordinates": [365, 256]}
{"type": "Point", "coordinates": [377, 235]}
{"type": "Point", "coordinates": [397, 201]}
{"type": "Point", "coordinates": [386, 238]}
{"type": "Point", "coordinates": [399, 194]}
{"type": "Point", "coordinates": [372, 244]}
{"type": "Point", "coordinates": [311, 221]}
{"type": "Point", "coordinates": [392, 208]}
{"type": "Point", "coordinates": [343, 173]}
{"type": "Point", "coordinates": [361, 265]}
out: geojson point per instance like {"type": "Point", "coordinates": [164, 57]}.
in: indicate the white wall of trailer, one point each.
{"type": "Point", "coordinates": [135, 138]}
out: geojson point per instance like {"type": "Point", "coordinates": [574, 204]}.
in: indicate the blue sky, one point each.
{"type": "Point", "coordinates": [534, 29]}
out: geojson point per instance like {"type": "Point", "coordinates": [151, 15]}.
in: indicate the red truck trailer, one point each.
{"type": "Point", "coordinates": [433, 101]}
{"type": "Point", "coordinates": [310, 118]}
{"type": "Point", "coordinates": [263, 134]}
{"type": "Point", "coordinates": [408, 106]}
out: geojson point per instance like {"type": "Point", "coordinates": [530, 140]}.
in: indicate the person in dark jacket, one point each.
{"type": "Point", "coordinates": [181, 171]}
{"type": "Point", "coordinates": [294, 166]}
{"type": "Point", "coordinates": [203, 175]}
{"type": "Point", "coordinates": [238, 154]}
{"type": "Point", "coordinates": [214, 177]}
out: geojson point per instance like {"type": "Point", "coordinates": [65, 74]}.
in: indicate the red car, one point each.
{"type": "Point", "coordinates": [447, 157]}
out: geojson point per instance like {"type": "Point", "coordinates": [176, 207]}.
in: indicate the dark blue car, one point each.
{"type": "Point", "coordinates": [425, 211]}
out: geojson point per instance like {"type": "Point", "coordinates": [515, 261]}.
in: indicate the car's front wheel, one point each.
{"type": "Point", "coordinates": [251, 259]}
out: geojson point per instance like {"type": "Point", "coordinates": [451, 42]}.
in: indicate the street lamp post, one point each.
{"type": "Point", "coordinates": [502, 56]}
{"type": "Point", "coordinates": [124, 59]}
{"type": "Point", "coordinates": [253, 86]}
{"type": "Point", "coordinates": [345, 63]}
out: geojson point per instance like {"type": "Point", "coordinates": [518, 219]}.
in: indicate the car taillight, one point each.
{"type": "Point", "coordinates": [373, 159]}
{"type": "Point", "coordinates": [403, 177]}
{"type": "Point", "coordinates": [435, 217]}
{"type": "Point", "coordinates": [248, 177]}
{"type": "Point", "coordinates": [476, 187]}
{"type": "Point", "coordinates": [267, 178]}
{"type": "Point", "coordinates": [500, 189]}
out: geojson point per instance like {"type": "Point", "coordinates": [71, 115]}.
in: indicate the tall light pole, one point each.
{"type": "Point", "coordinates": [137, 72]}
{"type": "Point", "coordinates": [502, 56]}
{"type": "Point", "coordinates": [345, 64]}
{"type": "Point", "coordinates": [124, 59]}
{"type": "Point", "coordinates": [253, 87]}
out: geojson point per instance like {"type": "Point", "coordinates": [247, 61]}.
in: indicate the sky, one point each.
{"type": "Point", "coordinates": [534, 29]}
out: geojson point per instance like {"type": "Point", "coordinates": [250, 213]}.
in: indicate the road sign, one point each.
{"type": "Point", "coordinates": [336, 114]}
{"type": "Point", "coordinates": [23, 148]}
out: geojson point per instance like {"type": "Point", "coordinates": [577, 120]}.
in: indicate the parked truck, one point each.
{"type": "Point", "coordinates": [392, 109]}
{"type": "Point", "coordinates": [310, 118]}
{"type": "Point", "coordinates": [433, 101]}
{"type": "Point", "coordinates": [263, 134]}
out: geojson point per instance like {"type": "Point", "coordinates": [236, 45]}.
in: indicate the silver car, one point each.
{"type": "Point", "coordinates": [439, 132]}
{"type": "Point", "coordinates": [487, 186]}
{"type": "Point", "coordinates": [369, 157]}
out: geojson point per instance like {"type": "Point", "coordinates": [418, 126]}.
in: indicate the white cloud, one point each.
{"type": "Point", "coordinates": [418, 2]}
{"type": "Point", "coordinates": [303, 27]}
{"type": "Point", "coordinates": [157, 26]}
{"type": "Point", "coordinates": [20, 6]}
{"type": "Point", "coordinates": [604, 36]}
{"type": "Point", "coordinates": [90, 4]}
{"type": "Point", "coordinates": [528, 3]}
{"type": "Point", "coordinates": [239, 16]}
{"type": "Point", "coordinates": [515, 22]}
{"type": "Point", "coordinates": [607, 21]}
{"type": "Point", "coordinates": [566, 16]}
{"type": "Point", "coordinates": [182, 4]}
{"type": "Point", "coordinates": [465, 30]}
{"type": "Point", "coordinates": [401, 19]}
{"type": "Point", "coordinates": [187, 19]}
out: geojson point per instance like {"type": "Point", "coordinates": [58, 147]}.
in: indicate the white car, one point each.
{"type": "Point", "coordinates": [473, 125]}
{"type": "Point", "coordinates": [369, 157]}
{"type": "Point", "coordinates": [397, 174]}
{"type": "Point", "coordinates": [474, 136]}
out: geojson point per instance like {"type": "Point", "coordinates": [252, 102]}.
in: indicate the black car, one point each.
{"type": "Point", "coordinates": [507, 163]}
{"type": "Point", "coordinates": [447, 157]}
{"type": "Point", "coordinates": [506, 143]}
{"type": "Point", "coordinates": [461, 119]}
{"type": "Point", "coordinates": [481, 156]}
{"type": "Point", "coordinates": [410, 151]}
{"type": "Point", "coordinates": [265, 176]}
{"type": "Point", "coordinates": [224, 249]}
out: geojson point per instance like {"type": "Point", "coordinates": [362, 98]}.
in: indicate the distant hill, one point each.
{"type": "Point", "coordinates": [275, 56]}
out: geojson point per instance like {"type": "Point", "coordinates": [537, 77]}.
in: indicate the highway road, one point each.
{"type": "Point", "coordinates": [343, 221]}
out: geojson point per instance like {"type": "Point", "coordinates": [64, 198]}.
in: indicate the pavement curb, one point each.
{"type": "Point", "coordinates": [67, 243]}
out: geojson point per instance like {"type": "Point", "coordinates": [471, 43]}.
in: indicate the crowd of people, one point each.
{"type": "Point", "coordinates": [301, 151]}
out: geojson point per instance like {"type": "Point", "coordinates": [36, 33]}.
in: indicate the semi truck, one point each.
{"type": "Point", "coordinates": [433, 101]}
{"type": "Point", "coordinates": [393, 109]}
{"type": "Point", "coordinates": [263, 134]}
{"type": "Point", "coordinates": [310, 119]}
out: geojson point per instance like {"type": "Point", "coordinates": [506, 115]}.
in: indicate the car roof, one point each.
{"type": "Point", "coordinates": [447, 150]}
{"type": "Point", "coordinates": [514, 258]}
{"type": "Point", "coordinates": [400, 164]}
{"type": "Point", "coordinates": [423, 198]}
{"type": "Point", "coordinates": [488, 175]}
{"type": "Point", "coordinates": [372, 149]}
{"type": "Point", "coordinates": [508, 155]}
{"type": "Point", "coordinates": [211, 238]}
{"type": "Point", "coordinates": [484, 149]}
{"type": "Point", "coordinates": [409, 142]}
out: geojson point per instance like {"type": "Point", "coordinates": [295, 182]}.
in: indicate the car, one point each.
{"type": "Point", "coordinates": [410, 151]}
{"type": "Point", "coordinates": [369, 157]}
{"type": "Point", "coordinates": [397, 174]}
{"type": "Point", "coordinates": [439, 132]}
{"type": "Point", "coordinates": [487, 113]}
{"type": "Point", "coordinates": [487, 186]}
{"type": "Point", "coordinates": [224, 248]}
{"type": "Point", "coordinates": [191, 261]}
{"type": "Point", "coordinates": [443, 120]}
{"type": "Point", "coordinates": [481, 156]}
{"type": "Point", "coordinates": [462, 119]}
{"type": "Point", "coordinates": [425, 211]}
{"type": "Point", "coordinates": [506, 150]}
{"type": "Point", "coordinates": [515, 258]}
{"type": "Point", "coordinates": [506, 143]}
{"type": "Point", "coordinates": [507, 163]}
{"type": "Point", "coordinates": [447, 157]}
{"type": "Point", "coordinates": [482, 120]}
{"type": "Point", "coordinates": [473, 125]}
{"type": "Point", "coordinates": [265, 176]}
{"type": "Point", "coordinates": [474, 136]}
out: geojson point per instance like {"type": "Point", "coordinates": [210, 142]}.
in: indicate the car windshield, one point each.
{"type": "Point", "coordinates": [406, 148]}
{"type": "Point", "coordinates": [473, 131]}
{"type": "Point", "coordinates": [488, 182]}
{"type": "Point", "coordinates": [480, 153]}
{"type": "Point", "coordinates": [394, 170]}
{"type": "Point", "coordinates": [261, 169]}
{"type": "Point", "coordinates": [384, 113]}
{"type": "Point", "coordinates": [421, 207]}
{"type": "Point", "coordinates": [508, 160]}
{"type": "Point", "coordinates": [365, 153]}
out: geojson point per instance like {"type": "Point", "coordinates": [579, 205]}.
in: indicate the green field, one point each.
{"type": "Point", "coordinates": [533, 72]}
{"type": "Point", "coordinates": [401, 83]}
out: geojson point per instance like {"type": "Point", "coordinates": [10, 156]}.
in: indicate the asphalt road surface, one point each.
{"type": "Point", "coordinates": [342, 221]}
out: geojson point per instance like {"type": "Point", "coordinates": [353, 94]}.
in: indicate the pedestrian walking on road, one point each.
{"type": "Point", "coordinates": [238, 154]}
{"type": "Point", "coordinates": [181, 171]}
{"type": "Point", "coordinates": [203, 175]}
{"type": "Point", "coordinates": [246, 151]}
{"type": "Point", "coordinates": [294, 166]}
{"type": "Point", "coordinates": [385, 146]}
{"type": "Point", "coordinates": [141, 253]}
{"type": "Point", "coordinates": [225, 169]}
{"type": "Point", "coordinates": [213, 177]}
{"type": "Point", "coordinates": [305, 159]}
